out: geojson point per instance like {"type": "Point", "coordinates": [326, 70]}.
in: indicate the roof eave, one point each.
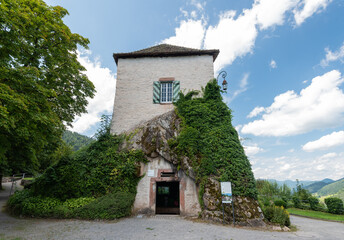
{"type": "Point", "coordinates": [213, 52]}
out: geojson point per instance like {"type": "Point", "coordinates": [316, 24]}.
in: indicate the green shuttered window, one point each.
{"type": "Point", "coordinates": [165, 92]}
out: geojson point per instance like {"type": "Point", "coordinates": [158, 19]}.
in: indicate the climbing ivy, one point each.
{"type": "Point", "coordinates": [210, 142]}
{"type": "Point", "coordinates": [96, 170]}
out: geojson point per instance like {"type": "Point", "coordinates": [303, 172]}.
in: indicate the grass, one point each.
{"type": "Point", "coordinates": [316, 214]}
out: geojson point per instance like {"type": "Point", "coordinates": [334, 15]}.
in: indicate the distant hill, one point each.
{"type": "Point", "coordinates": [290, 183]}
{"type": "Point", "coordinates": [328, 180]}
{"type": "Point", "coordinates": [76, 140]}
{"type": "Point", "coordinates": [332, 188]}
{"type": "Point", "coordinates": [316, 186]}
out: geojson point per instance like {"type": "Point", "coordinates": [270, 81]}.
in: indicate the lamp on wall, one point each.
{"type": "Point", "coordinates": [224, 83]}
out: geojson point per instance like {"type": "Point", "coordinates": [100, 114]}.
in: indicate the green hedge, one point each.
{"type": "Point", "coordinates": [110, 206]}
{"type": "Point", "coordinates": [334, 205]}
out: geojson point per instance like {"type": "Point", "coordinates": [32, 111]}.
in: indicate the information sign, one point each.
{"type": "Point", "coordinates": [151, 173]}
{"type": "Point", "coordinates": [226, 192]}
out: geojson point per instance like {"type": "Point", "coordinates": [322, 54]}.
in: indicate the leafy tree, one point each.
{"type": "Point", "coordinates": [42, 84]}
{"type": "Point", "coordinates": [302, 193]}
{"type": "Point", "coordinates": [269, 192]}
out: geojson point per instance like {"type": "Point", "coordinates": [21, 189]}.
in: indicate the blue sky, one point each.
{"type": "Point", "coordinates": [285, 65]}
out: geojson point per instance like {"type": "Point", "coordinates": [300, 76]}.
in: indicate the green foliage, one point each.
{"type": "Point", "coordinates": [210, 141]}
{"type": "Point", "coordinates": [332, 188]}
{"type": "Point", "coordinates": [277, 214]}
{"type": "Point", "coordinates": [97, 182]}
{"type": "Point", "coordinates": [92, 172]}
{"type": "Point", "coordinates": [334, 205]}
{"type": "Point", "coordinates": [314, 187]}
{"type": "Point", "coordinates": [314, 203]}
{"type": "Point", "coordinates": [296, 201]}
{"type": "Point", "coordinates": [271, 192]}
{"type": "Point", "coordinates": [280, 203]}
{"type": "Point", "coordinates": [28, 205]}
{"type": "Point", "coordinates": [110, 206]}
{"type": "Point", "coordinates": [42, 85]}
{"type": "Point", "coordinates": [52, 155]}
{"type": "Point", "coordinates": [75, 140]}
{"type": "Point", "coordinates": [302, 197]}
{"type": "Point", "coordinates": [74, 203]}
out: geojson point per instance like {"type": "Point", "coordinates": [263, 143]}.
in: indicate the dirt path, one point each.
{"type": "Point", "coordinates": [159, 227]}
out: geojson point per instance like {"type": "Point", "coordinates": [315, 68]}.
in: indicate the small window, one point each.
{"type": "Point", "coordinates": [166, 92]}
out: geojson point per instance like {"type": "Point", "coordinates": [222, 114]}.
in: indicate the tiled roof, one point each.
{"type": "Point", "coordinates": [166, 50]}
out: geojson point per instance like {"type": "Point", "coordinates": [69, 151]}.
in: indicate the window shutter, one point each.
{"type": "Point", "coordinates": [176, 90]}
{"type": "Point", "coordinates": [156, 92]}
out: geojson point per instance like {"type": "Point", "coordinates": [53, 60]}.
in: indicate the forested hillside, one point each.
{"type": "Point", "coordinates": [333, 188]}
{"type": "Point", "coordinates": [314, 187]}
{"type": "Point", "coordinates": [76, 140]}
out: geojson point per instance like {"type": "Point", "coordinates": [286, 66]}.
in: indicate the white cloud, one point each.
{"type": "Point", "coordinates": [320, 105]}
{"type": "Point", "coordinates": [328, 141]}
{"type": "Point", "coordinates": [272, 12]}
{"type": "Point", "coordinates": [255, 112]}
{"type": "Point", "coordinates": [252, 150]}
{"type": "Point", "coordinates": [285, 167]}
{"type": "Point", "coordinates": [190, 33]}
{"type": "Point", "coordinates": [307, 8]}
{"type": "Point", "coordinates": [235, 34]}
{"type": "Point", "coordinates": [333, 56]}
{"type": "Point", "coordinates": [329, 155]}
{"type": "Point", "coordinates": [235, 37]}
{"type": "Point", "coordinates": [102, 103]}
{"type": "Point", "coordinates": [314, 168]}
{"type": "Point", "coordinates": [273, 64]}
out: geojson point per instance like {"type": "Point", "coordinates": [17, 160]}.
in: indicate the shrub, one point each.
{"type": "Point", "coordinates": [334, 205]}
{"type": "Point", "coordinates": [26, 204]}
{"type": "Point", "coordinates": [314, 203]}
{"type": "Point", "coordinates": [92, 172]}
{"type": "Point", "coordinates": [110, 206]}
{"type": "Point", "coordinates": [280, 203]}
{"type": "Point", "coordinates": [277, 214]}
{"type": "Point", "coordinates": [74, 203]}
{"type": "Point", "coordinates": [296, 202]}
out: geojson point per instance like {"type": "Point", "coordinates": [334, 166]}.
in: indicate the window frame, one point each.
{"type": "Point", "coordinates": [166, 85]}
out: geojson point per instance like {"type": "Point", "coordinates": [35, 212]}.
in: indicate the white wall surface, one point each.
{"type": "Point", "coordinates": [134, 86]}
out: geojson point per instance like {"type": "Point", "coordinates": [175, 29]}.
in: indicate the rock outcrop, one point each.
{"type": "Point", "coordinates": [153, 139]}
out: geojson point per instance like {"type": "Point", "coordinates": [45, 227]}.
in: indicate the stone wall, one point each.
{"type": "Point", "coordinates": [146, 189]}
{"type": "Point", "coordinates": [246, 210]}
{"type": "Point", "coordinates": [134, 86]}
{"type": "Point", "coordinates": [152, 138]}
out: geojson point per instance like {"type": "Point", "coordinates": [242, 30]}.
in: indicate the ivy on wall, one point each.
{"type": "Point", "coordinates": [210, 141]}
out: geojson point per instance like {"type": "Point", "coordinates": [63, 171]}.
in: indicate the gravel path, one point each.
{"type": "Point", "coordinates": [158, 227]}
